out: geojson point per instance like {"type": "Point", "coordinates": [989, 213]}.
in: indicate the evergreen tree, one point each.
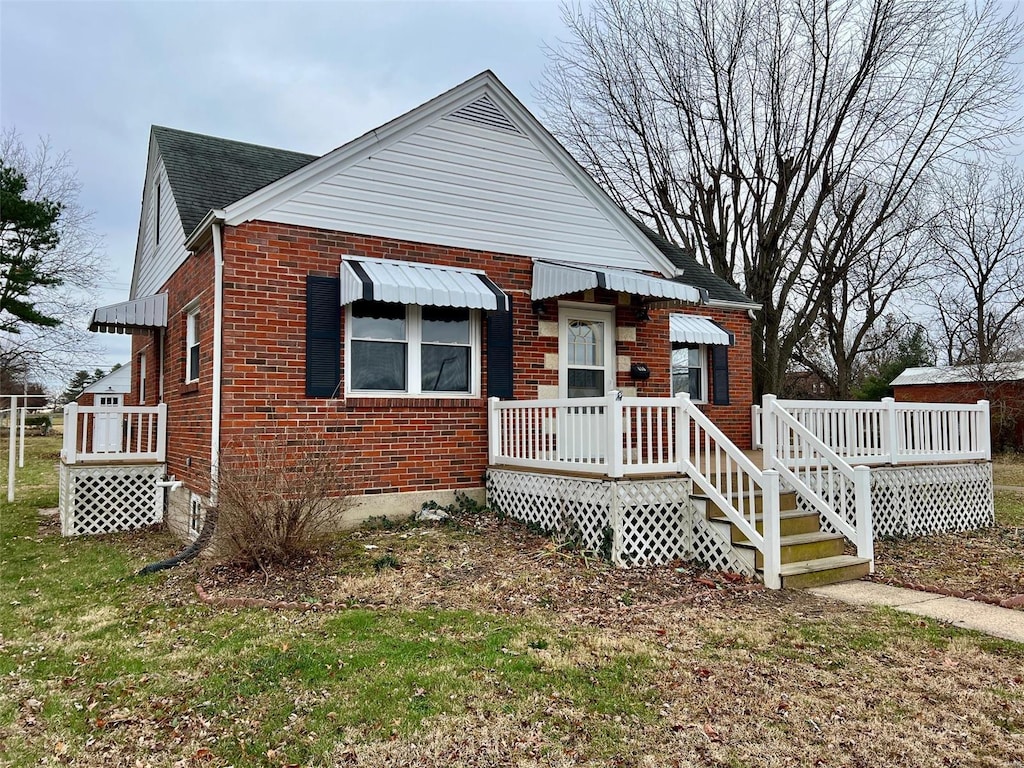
{"type": "Point", "coordinates": [28, 233]}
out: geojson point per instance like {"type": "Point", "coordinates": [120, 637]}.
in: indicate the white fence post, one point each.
{"type": "Point", "coordinates": [985, 429]}
{"type": "Point", "coordinates": [755, 427]}
{"type": "Point", "coordinates": [13, 448]}
{"type": "Point", "coordinates": [613, 424]}
{"type": "Point", "coordinates": [21, 441]}
{"type": "Point", "coordinates": [862, 505]}
{"type": "Point", "coordinates": [493, 435]}
{"type": "Point", "coordinates": [70, 432]}
{"type": "Point", "coordinates": [890, 430]}
{"type": "Point", "coordinates": [769, 432]}
{"type": "Point", "coordinates": [772, 530]}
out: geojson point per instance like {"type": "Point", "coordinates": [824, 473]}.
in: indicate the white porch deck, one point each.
{"type": "Point", "coordinates": [919, 468]}
{"type": "Point", "coordinates": [112, 460]}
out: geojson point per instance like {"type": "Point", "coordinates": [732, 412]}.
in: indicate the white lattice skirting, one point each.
{"type": "Point", "coordinates": [100, 498]}
{"type": "Point", "coordinates": [923, 499]}
{"type": "Point", "coordinates": [649, 522]}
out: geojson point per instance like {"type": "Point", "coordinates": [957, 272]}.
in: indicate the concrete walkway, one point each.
{"type": "Point", "coordinates": [990, 619]}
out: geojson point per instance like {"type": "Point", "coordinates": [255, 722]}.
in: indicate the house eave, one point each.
{"type": "Point", "coordinates": [201, 235]}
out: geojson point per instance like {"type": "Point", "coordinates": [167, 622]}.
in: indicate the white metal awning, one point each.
{"type": "Point", "coordinates": [552, 279]}
{"type": "Point", "coordinates": [406, 282]}
{"type": "Point", "coordinates": [690, 329]}
{"type": "Point", "coordinates": [128, 316]}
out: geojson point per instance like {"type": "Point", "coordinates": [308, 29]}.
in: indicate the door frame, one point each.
{"type": "Point", "coordinates": [571, 310]}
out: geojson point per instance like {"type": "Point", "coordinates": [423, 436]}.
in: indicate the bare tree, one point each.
{"type": "Point", "coordinates": [71, 268]}
{"type": "Point", "coordinates": [777, 138]}
{"type": "Point", "coordinates": [978, 285]}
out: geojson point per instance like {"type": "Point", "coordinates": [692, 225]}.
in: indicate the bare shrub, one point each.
{"type": "Point", "coordinates": [278, 500]}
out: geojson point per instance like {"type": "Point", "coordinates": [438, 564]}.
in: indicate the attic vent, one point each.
{"type": "Point", "coordinates": [483, 111]}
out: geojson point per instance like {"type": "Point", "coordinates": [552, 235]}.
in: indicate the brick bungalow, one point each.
{"type": "Point", "coordinates": [376, 296]}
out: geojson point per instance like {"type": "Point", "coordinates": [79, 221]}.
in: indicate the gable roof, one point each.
{"type": "Point", "coordinates": [263, 201]}
{"type": "Point", "coordinates": [206, 172]}
{"type": "Point", "coordinates": [695, 273]}
{"type": "Point", "coordinates": [117, 381]}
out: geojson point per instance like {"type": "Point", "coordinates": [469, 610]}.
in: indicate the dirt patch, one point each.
{"type": "Point", "coordinates": [481, 564]}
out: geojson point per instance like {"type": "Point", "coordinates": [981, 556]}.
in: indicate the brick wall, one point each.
{"type": "Point", "coordinates": [393, 444]}
{"type": "Point", "coordinates": [189, 406]}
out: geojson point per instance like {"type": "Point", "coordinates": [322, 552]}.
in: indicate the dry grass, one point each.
{"type": "Point", "coordinates": [988, 561]}
{"type": "Point", "coordinates": [486, 646]}
{"type": "Point", "coordinates": [1008, 469]}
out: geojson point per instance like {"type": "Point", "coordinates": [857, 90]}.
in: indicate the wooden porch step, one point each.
{"type": "Point", "coordinates": [791, 523]}
{"type": "Point", "coordinates": [826, 570]}
{"type": "Point", "coordinates": [803, 547]}
{"type": "Point", "coordinates": [787, 502]}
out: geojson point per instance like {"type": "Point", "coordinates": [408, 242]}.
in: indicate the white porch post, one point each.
{"type": "Point", "coordinates": [862, 504]}
{"type": "Point", "coordinates": [769, 439]}
{"type": "Point", "coordinates": [890, 430]}
{"type": "Point", "coordinates": [613, 421]}
{"type": "Point", "coordinates": [493, 431]}
{"type": "Point", "coordinates": [985, 430]}
{"type": "Point", "coordinates": [70, 432]}
{"type": "Point", "coordinates": [682, 431]}
{"type": "Point", "coordinates": [756, 438]}
{"type": "Point", "coordinates": [161, 432]}
{"type": "Point", "coordinates": [772, 530]}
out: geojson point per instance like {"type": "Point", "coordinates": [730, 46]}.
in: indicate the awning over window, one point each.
{"type": "Point", "coordinates": [129, 316]}
{"type": "Point", "coordinates": [690, 329]}
{"type": "Point", "coordinates": [405, 282]}
{"type": "Point", "coordinates": [550, 279]}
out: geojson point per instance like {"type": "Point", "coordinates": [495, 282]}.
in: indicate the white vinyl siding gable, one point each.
{"type": "Point", "coordinates": [156, 262]}
{"type": "Point", "coordinates": [467, 185]}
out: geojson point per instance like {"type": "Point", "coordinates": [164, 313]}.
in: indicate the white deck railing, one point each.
{"type": "Point", "coordinates": [622, 436]}
{"type": "Point", "coordinates": [94, 433]}
{"type": "Point", "coordinates": [890, 432]}
{"type": "Point", "coordinates": [827, 482]}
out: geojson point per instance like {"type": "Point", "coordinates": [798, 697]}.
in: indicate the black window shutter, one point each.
{"type": "Point", "coordinates": [720, 374]}
{"type": "Point", "coordinates": [323, 336]}
{"type": "Point", "coordinates": [499, 353]}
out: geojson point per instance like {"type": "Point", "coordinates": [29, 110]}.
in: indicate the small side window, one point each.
{"type": "Point", "coordinates": [689, 371]}
{"type": "Point", "coordinates": [192, 345]}
{"type": "Point", "coordinates": [196, 516]}
{"type": "Point", "coordinates": [142, 378]}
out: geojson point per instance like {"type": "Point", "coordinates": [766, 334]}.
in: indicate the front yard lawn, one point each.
{"type": "Point", "coordinates": [485, 646]}
{"type": "Point", "coordinates": [988, 561]}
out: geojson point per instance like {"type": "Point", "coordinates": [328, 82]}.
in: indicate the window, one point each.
{"type": "Point", "coordinates": [142, 378]}
{"type": "Point", "coordinates": [196, 515]}
{"type": "Point", "coordinates": [412, 349]}
{"type": "Point", "coordinates": [192, 344]}
{"type": "Point", "coordinates": [689, 371]}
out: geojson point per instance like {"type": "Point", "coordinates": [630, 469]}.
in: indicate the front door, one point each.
{"type": "Point", "coordinates": [586, 359]}
{"type": "Point", "coordinates": [107, 424]}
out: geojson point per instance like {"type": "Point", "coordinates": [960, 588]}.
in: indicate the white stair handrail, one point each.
{"type": "Point", "coordinates": [738, 502]}
{"type": "Point", "coordinates": [821, 455]}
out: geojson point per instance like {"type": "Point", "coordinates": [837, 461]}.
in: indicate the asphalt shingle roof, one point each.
{"type": "Point", "coordinates": [695, 273]}
{"type": "Point", "coordinates": [206, 172]}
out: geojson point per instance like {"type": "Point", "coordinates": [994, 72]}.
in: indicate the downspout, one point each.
{"type": "Point", "coordinates": [218, 325]}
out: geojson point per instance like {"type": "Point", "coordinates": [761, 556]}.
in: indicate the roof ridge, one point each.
{"type": "Point", "coordinates": [254, 145]}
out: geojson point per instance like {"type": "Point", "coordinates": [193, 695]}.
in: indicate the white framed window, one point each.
{"type": "Point", "coordinates": [411, 350]}
{"type": "Point", "coordinates": [192, 343]}
{"type": "Point", "coordinates": [196, 514]}
{"type": "Point", "coordinates": [142, 378]}
{"type": "Point", "coordinates": [690, 371]}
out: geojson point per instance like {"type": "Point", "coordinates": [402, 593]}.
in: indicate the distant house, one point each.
{"type": "Point", "coordinates": [109, 389]}
{"type": "Point", "coordinates": [1001, 384]}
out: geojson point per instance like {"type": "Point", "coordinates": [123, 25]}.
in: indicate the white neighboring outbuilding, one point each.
{"type": "Point", "coordinates": [117, 382]}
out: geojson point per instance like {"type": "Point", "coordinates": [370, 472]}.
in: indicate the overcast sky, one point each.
{"type": "Point", "coordinates": [93, 76]}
